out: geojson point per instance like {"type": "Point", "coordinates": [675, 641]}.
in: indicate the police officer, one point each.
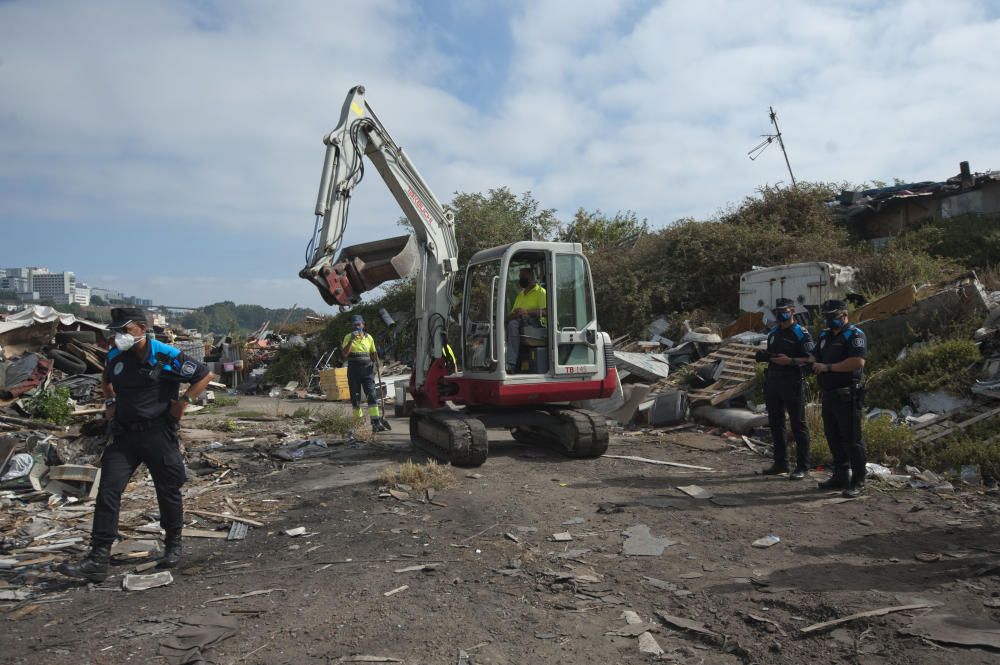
{"type": "Point", "coordinates": [839, 360]}
{"type": "Point", "coordinates": [788, 355]}
{"type": "Point", "coordinates": [141, 385]}
{"type": "Point", "coordinates": [358, 349]}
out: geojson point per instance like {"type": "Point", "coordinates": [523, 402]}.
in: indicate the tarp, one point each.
{"type": "Point", "coordinates": [43, 314]}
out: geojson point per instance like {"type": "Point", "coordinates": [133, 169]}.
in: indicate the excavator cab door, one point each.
{"type": "Point", "coordinates": [574, 319]}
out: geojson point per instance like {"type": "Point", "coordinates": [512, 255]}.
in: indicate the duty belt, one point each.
{"type": "Point", "coordinates": [145, 425]}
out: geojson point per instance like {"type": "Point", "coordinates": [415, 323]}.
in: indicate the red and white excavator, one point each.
{"type": "Point", "coordinates": [562, 356]}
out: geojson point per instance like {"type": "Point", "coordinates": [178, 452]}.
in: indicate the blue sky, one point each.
{"type": "Point", "coordinates": [172, 149]}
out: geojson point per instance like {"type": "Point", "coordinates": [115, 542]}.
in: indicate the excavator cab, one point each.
{"type": "Point", "coordinates": [529, 314]}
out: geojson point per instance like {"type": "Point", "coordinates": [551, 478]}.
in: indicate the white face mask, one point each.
{"type": "Point", "coordinates": [124, 341]}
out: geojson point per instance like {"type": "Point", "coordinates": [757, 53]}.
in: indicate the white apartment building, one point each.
{"type": "Point", "coordinates": [57, 287]}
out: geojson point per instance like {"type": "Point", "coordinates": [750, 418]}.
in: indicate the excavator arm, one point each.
{"type": "Point", "coordinates": [430, 255]}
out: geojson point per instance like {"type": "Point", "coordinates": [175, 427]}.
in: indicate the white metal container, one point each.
{"type": "Point", "coordinates": [808, 284]}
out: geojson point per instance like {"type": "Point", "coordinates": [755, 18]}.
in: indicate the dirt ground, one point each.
{"type": "Point", "coordinates": [504, 591]}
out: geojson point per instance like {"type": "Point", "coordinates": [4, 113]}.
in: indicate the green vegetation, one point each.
{"type": "Point", "coordinates": [50, 404]}
{"type": "Point", "coordinates": [291, 364]}
{"type": "Point", "coordinates": [225, 317]}
{"type": "Point", "coordinates": [304, 412]}
{"type": "Point", "coordinates": [337, 422]}
{"type": "Point", "coordinates": [943, 365]}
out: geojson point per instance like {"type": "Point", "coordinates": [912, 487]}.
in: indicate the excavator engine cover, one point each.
{"type": "Point", "coordinates": [361, 268]}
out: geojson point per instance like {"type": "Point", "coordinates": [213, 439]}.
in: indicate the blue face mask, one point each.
{"type": "Point", "coordinates": [783, 316]}
{"type": "Point", "coordinates": [835, 324]}
{"type": "Point", "coordinates": [357, 327]}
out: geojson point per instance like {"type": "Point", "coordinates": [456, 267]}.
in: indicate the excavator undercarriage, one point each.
{"type": "Point", "coordinates": [460, 437]}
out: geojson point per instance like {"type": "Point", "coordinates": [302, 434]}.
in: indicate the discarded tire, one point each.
{"type": "Point", "coordinates": [85, 336]}
{"type": "Point", "coordinates": [66, 362]}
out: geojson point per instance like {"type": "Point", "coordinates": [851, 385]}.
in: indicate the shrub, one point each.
{"type": "Point", "coordinates": [50, 404]}
{"type": "Point", "coordinates": [429, 475]}
{"type": "Point", "coordinates": [336, 422]}
{"type": "Point", "coordinates": [939, 366]}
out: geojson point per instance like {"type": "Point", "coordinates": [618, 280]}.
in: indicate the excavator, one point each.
{"type": "Point", "coordinates": [561, 358]}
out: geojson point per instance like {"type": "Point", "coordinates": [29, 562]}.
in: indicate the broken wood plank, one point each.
{"type": "Point", "coordinates": [870, 613]}
{"type": "Point", "coordinates": [203, 533]}
{"type": "Point", "coordinates": [396, 590]}
{"type": "Point", "coordinates": [634, 458]}
{"type": "Point", "coordinates": [248, 594]}
{"type": "Point", "coordinates": [232, 518]}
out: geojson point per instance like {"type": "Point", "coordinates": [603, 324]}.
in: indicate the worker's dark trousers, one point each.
{"type": "Point", "coordinates": [159, 450]}
{"type": "Point", "coordinates": [361, 376]}
{"type": "Point", "coordinates": [781, 396]}
{"type": "Point", "coordinates": [842, 426]}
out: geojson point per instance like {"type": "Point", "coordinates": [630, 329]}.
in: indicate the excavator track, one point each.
{"type": "Point", "coordinates": [574, 432]}
{"type": "Point", "coordinates": [450, 436]}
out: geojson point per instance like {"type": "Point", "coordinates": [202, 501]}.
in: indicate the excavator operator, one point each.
{"type": "Point", "coordinates": [529, 309]}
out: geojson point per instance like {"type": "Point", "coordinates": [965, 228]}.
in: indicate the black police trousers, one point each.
{"type": "Point", "coordinates": [361, 376]}
{"type": "Point", "coordinates": [781, 397]}
{"type": "Point", "coordinates": [842, 426]}
{"type": "Point", "coordinates": [159, 450]}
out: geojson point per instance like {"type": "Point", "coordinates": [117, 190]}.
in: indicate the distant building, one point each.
{"type": "Point", "coordinates": [879, 214]}
{"type": "Point", "coordinates": [81, 295]}
{"type": "Point", "coordinates": [57, 287]}
{"type": "Point", "coordinates": [138, 302]}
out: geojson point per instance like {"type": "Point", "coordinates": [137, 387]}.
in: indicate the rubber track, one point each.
{"type": "Point", "coordinates": [589, 432]}
{"type": "Point", "coordinates": [466, 435]}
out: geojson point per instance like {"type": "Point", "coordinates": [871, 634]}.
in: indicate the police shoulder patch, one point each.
{"type": "Point", "coordinates": [117, 369]}
{"type": "Point", "coordinates": [188, 368]}
{"type": "Point", "coordinates": [858, 341]}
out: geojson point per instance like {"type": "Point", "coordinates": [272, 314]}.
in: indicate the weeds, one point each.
{"type": "Point", "coordinates": [304, 412]}
{"type": "Point", "coordinates": [223, 401]}
{"type": "Point", "coordinates": [50, 404]}
{"type": "Point", "coordinates": [940, 366]}
{"type": "Point", "coordinates": [429, 475]}
{"type": "Point", "coordinates": [335, 422]}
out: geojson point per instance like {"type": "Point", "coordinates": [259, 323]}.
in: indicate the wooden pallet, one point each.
{"type": "Point", "coordinates": [739, 372]}
{"type": "Point", "coordinates": [948, 424]}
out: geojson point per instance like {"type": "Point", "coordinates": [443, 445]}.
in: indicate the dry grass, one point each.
{"type": "Point", "coordinates": [429, 475]}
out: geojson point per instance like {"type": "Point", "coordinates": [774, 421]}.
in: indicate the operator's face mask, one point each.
{"type": "Point", "coordinates": [358, 327]}
{"type": "Point", "coordinates": [525, 282]}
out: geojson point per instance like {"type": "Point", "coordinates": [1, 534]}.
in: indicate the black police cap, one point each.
{"type": "Point", "coordinates": [121, 316]}
{"type": "Point", "coordinates": [784, 302]}
{"type": "Point", "coordinates": [833, 306]}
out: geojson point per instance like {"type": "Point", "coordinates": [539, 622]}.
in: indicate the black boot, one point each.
{"type": "Point", "coordinates": [799, 473]}
{"type": "Point", "coordinates": [855, 489]}
{"type": "Point", "coordinates": [93, 567]}
{"type": "Point", "coordinates": [775, 469]}
{"type": "Point", "coordinates": [377, 425]}
{"type": "Point", "coordinates": [171, 551]}
{"type": "Point", "coordinates": [385, 424]}
{"type": "Point", "coordinates": [840, 480]}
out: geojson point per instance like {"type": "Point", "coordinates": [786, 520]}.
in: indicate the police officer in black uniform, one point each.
{"type": "Point", "coordinates": [788, 356]}
{"type": "Point", "coordinates": [839, 361]}
{"type": "Point", "coordinates": [141, 380]}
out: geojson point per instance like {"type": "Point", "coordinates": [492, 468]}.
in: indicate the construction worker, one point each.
{"type": "Point", "coordinates": [529, 308]}
{"type": "Point", "coordinates": [839, 360]}
{"type": "Point", "coordinates": [789, 346]}
{"type": "Point", "coordinates": [358, 349]}
{"type": "Point", "coordinates": [141, 379]}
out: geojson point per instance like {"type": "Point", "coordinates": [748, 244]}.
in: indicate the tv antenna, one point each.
{"type": "Point", "coordinates": [755, 151]}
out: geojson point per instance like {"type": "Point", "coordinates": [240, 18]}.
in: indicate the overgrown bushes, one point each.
{"type": "Point", "coordinates": [943, 365]}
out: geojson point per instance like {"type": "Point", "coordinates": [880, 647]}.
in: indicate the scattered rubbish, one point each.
{"type": "Point", "coordinates": [647, 643]}
{"type": "Point", "coordinates": [654, 461]}
{"type": "Point", "coordinates": [685, 624]}
{"type": "Point", "coordinates": [297, 531]}
{"type": "Point", "coordinates": [952, 629]}
{"type": "Point", "coordinates": [368, 659]}
{"type": "Point", "coordinates": [760, 619]}
{"type": "Point", "coordinates": [203, 533]}
{"type": "Point", "coordinates": [574, 520]}
{"type": "Point", "coordinates": [562, 536]}
{"type": "Point", "coordinates": [927, 557]}
{"type": "Point", "coordinates": [509, 536]}
{"type": "Point", "coordinates": [197, 633]}
{"type": "Point", "coordinates": [740, 421]}
{"type": "Point", "coordinates": [870, 613]}
{"type": "Point", "coordinates": [248, 594]}
{"type": "Point", "coordinates": [396, 590]}
{"type": "Point", "coordinates": [766, 541]}
{"type": "Point", "coordinates": [238, 531]}
{"type": "Point", "coordinates": [302, 450]}
{"type": "Point", "coordinates": [696, 492]}
{"type": "Point", "coordinates": [877, 470]}
{"type": "Point", "coordinates": [640, 542]}
{"type": "Point", "coordinates": [143, 582]}
{"type": "Point", "coordinates": [474, 476]}
{"type": "Point", "coordinates": [423, 567]}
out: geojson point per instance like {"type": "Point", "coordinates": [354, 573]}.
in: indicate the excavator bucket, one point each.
{"type": "Point", "coordinates": [361, 268]}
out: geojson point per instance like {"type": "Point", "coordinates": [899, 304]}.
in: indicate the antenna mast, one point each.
{"type": "Point", "coordinates": [755, 152]}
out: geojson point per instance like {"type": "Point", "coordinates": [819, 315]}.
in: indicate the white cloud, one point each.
{"type": "Point", "coordinates": [168, 111]}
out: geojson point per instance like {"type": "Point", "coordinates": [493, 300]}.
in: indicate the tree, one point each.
{"type": "Point", "coordinates": [596, 231]}
{"type": "Point", "coordinates": [98, 301]}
